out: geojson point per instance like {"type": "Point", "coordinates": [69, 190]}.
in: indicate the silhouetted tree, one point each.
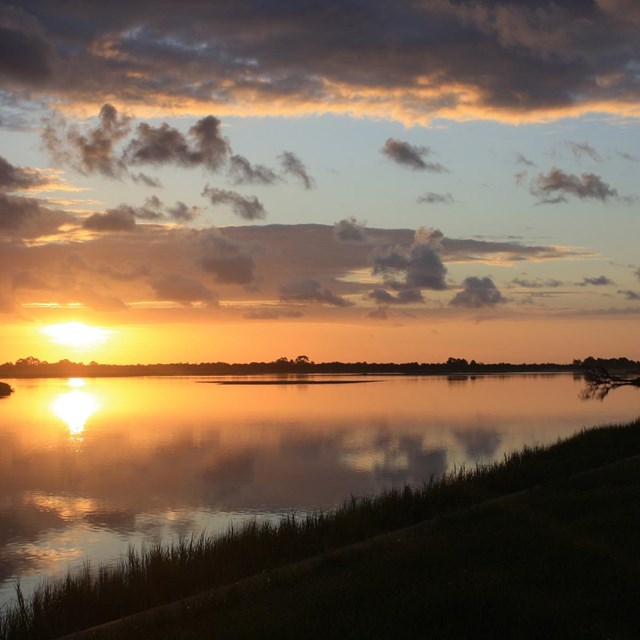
{"type": "Point", "coordinates": [600, 381]}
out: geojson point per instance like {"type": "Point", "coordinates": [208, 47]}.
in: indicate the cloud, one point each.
{"type": "Point", "coordinates": [520, 159]}
{"type": "Point", "coordinates": [94, 300]}
{"type": "Point", "coordinates": [147, 181]}
{"type": "Point", "coordinates": [180, 212]}
{"type": "Point", "coordinates": [25, 54]}
{"type": "Point", "coordinates": [629, 294]}
{"type": "Point", "coordinates": [349, 230]}
{"type": "Point", "coordinates": [469, 250]}
{"type": "Point", "coordinates": [28, 218]}
{"type": "Point", "coordinates": [27, 279]}
{"type": "Point", "coordinates": [249, 208]}
{"type": "Point", "coordinates": [243, 172]}
{"type": "Point", "coordinates": [404, 296]}
{"type": "Point", "coordinates": [225, 260]}
{"type": "Point", "coordinates": [637, 273]}
{"type": "Point", "coordinates": [93, 151]}
{"type": "Point", "coordinates": [167, 145]}
{"type": "Point", "coordinates": [599, 281]}
{"type": "Point", "coordinates": [292, 165]}
{"type": "Point", "coordinates": [272, 314]}
{"type": "Point", "coordinates": [436, 198]}
{"type": "Point", "coordinates": [114, 220]}
{"type": "Point", "coordinates": [380, 313]}
{"type": "Point", "coordinates": [555, 186]}
{"type": "Point", "coordinates": [20, 178]}
{"type": "Point", "coordinates": [245, 265]}
{"type": "Point", "coordinates": [124, 217]}
{"type": "Point", "coordinates": [410, 156]}
{"type": "Point", "coordinates": [131, 271]}
{"type": "Point", "coordinates": [511, 60]}
{"type": "Point", "coordinates": [537, 284]}
{"type": "Point", "coordinates": [477, 293]}
{"type": "Point", "coordinates": [417, 267]}
{"type": "Point", "coordinates": [185, 290]}
{"type": "Point", "coordinates": [581, 149]}
{"type": "Point", "coordinates": [311, 291]}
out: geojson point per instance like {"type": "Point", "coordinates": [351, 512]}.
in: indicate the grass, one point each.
{"type": "Point", "coordinates": [159, 574]}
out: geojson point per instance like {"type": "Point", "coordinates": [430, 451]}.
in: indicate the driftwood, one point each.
{"type": "Point", "coordinates": [5, 389]}
{"type": "Point", "coordinates": [600, 381]}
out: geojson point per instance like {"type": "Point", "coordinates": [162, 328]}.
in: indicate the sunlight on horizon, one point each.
{"type": "Point", "coordinates": [77, 334]}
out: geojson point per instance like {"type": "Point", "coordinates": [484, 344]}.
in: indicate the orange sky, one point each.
{"type": "Point", "coordinates": [244, 181]}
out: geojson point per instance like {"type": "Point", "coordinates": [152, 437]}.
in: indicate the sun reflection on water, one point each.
{"type": "Point", "coordinates": [75, 407]}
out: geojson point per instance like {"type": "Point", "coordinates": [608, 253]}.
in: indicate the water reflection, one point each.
{"type": "Point", "coordinates": [165, 457]}
{"type": "Point", "coordinates": [75, 407]}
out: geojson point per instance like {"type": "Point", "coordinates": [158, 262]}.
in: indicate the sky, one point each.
{"type": "Point", "coordinates": [358, 180]}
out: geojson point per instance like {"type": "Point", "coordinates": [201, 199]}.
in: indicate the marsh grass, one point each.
{"type": "Point", "coordinates": [159, 573]}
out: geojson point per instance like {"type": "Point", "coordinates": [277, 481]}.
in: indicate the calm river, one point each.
{"type": "Point", "coordinates": [89, 467]}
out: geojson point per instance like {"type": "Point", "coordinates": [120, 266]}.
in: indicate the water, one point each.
{"type": "Point", "coordinates": [88, 467]}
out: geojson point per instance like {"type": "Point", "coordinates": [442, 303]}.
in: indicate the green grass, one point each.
{"type": "Point", "coordinates": [455, 566]}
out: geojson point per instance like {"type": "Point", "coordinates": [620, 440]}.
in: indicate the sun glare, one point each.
{"type": "Point", "coordinates": [76, 334]}
{"type": "Point", "coordinates": [75, 408]}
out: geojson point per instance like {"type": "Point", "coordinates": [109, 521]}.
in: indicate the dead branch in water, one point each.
{"type": "Point", "coordinates": [600, 381]}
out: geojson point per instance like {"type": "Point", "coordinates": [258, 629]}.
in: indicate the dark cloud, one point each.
{"type": "Point", "coordinates": [410, 155]}
{"type": "Point", "coordinates": [581, 149]}
{"type": "Point", "coordinates": [409, 60]}
{"type": "Point", "coordinates": [555, 186]}
{"type": "Point", "coordinates": [292, 165]}
{"type": "Point", "coordinates": [225, 260]}
{"type": "Point", "coordinates": [477, 293]}
{"type": "Point", "coordinates": [124, 217]}
{"type": "Point", "coordinates": [29, 218]}
{"type": "Point", "coordinates": [249, 208]}
{"type": "Point", "coordinates": [20, 178]}
{"type": "Point", "coordinates": [25, 53]}
{"type": "Point", "coordinates": [416, 267]}
{"type": "Point", "coordinates": [404, 296]}
{"type": "Point", "coordinates": [180, 212]}
{"type": "Point", "coordinates": [151, 210]}
{"type": "Point", "coordinates": [311, 291]}
{"type": "Point", "coordinates": [637, 273]}
{"type": "Point", "coordinates": [629, 294]}
{"type": "Point", "coordinates": [349, 230]}
{"type": "Point", "coordinates": [118, 219]}
{"type": "Point", "coordinates": [182, 289]}
{"type": "Point", "coordinates": [167, 145]}
{"type": "Point", "coordinates": [464, 249]}
{"type": "Point", "coordinates": [243, 172]}
{"type": "Point", "coordinates": [147, 181]}
{"type": "Point", "coordinates": [599, 281]}
{"type": "Point", "coordinates": [436, 198]}
{"type": "Point", "coordinates": [93, 151]}
{"type": "Point", "coordinates": [537, 284]}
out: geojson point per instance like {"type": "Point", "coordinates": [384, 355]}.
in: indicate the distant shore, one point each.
{"type": "Point", "coordinates": [33, 368]}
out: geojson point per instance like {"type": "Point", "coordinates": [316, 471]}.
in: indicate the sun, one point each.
{"type": "Point", "coordinates": [77, 334]}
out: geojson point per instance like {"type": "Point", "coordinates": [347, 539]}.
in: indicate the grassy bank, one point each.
{"type": "Point", "coordinates": [162, 574]}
